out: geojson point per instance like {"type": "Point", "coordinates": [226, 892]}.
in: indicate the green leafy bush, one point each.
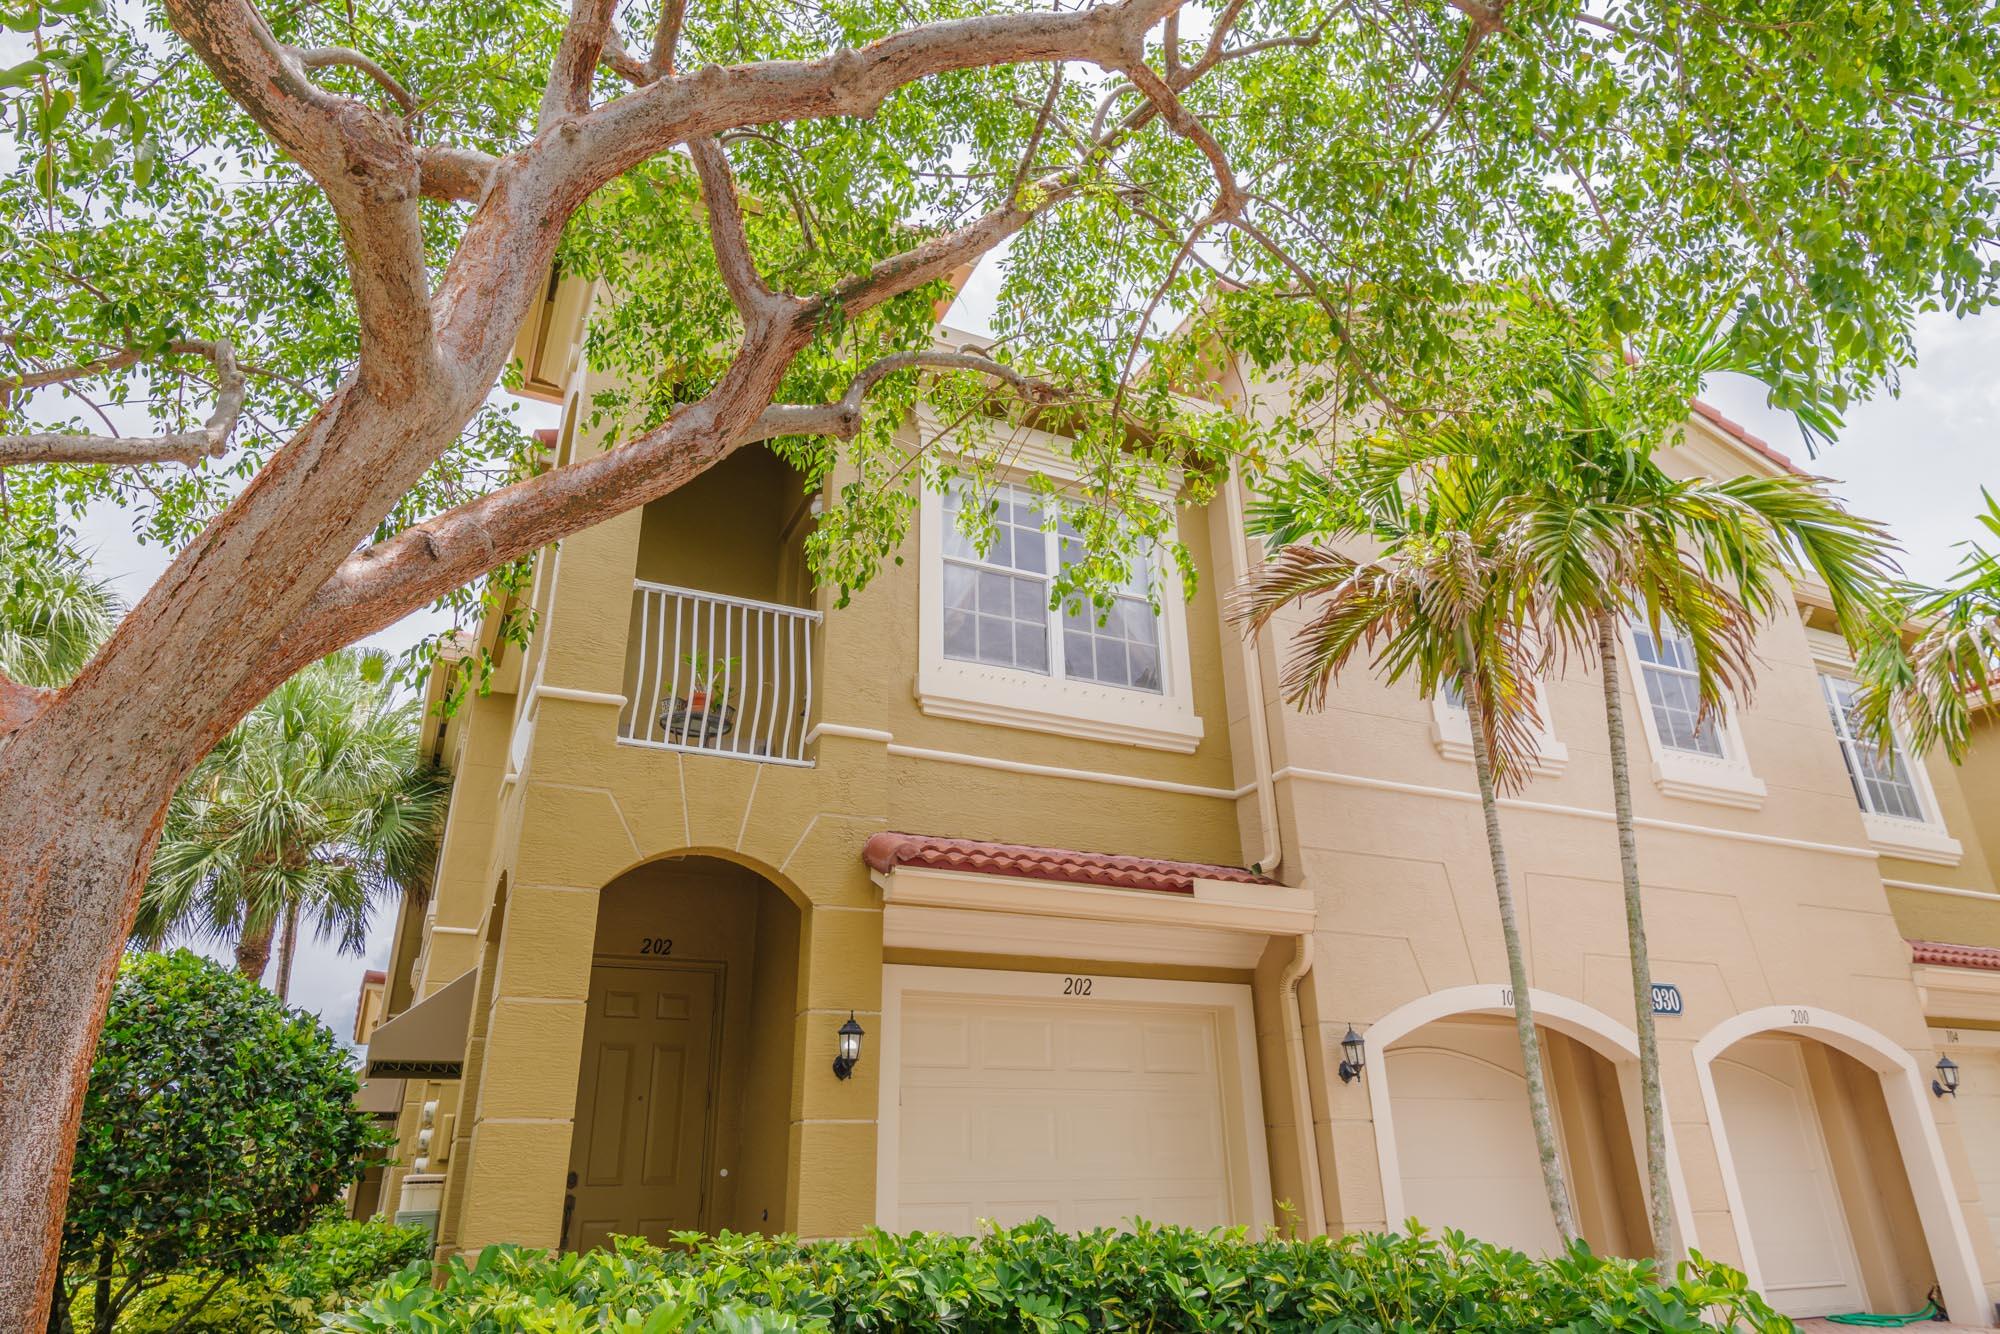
{"type": "Point", "coordinates": [216, 1123]}
{"type": "Point", "coordinates": [1036, 1278]}
{"type": "Point", "coordinates": [330, 1265]}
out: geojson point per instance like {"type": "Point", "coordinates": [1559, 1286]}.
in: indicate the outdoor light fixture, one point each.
{"type": "Point", "coordinates": [1355, 1055]}
{"type": "Point", "coordinates": [850, 1048]}
{"type": "Point", "coordinates": [1947, 1080]}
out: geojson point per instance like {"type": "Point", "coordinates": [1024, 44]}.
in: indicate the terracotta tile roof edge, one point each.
{"type": "Point", "coordinates": [1955, 956]}
{"type": "Point", "coordinates": [1736, 431]}
{"type": "Point", "coordinates": [886, 851]}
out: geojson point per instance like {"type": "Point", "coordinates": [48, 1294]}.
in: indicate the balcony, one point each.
{"type": "Point", "coordinates": [718, 675]}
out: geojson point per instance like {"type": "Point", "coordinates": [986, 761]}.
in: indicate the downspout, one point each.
{"type": "Point", "coordinates": [1271, 846]}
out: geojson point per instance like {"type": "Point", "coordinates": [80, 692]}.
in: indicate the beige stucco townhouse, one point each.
{"type": "Point", "coordinates": [758, 914]}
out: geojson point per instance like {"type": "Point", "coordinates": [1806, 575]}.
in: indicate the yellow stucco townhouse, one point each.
{"type": "Point", "coordinates": [758, 914]}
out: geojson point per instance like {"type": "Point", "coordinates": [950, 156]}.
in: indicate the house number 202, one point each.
{"type": "Point", "coordinates": [656, 945]}
{"type": "Point", "coordinates": [1078, 986]}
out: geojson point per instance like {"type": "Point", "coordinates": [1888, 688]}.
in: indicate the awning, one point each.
{"type": "Point", "coordinates": [426, 1041]}
{"type": "Point", "coordinates": [379, 1097]}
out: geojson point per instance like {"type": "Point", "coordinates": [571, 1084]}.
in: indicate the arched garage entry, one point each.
{"type": "Point", "coordinates": [1833, 1169]}
{"type": "Point", "coordinates": [1451, 1120]}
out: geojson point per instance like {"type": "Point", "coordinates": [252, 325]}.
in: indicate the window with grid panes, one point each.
{"type": "Point", "coordinates": [997, 603]}
{"type": "Point", "coordinates": [1673, 690]}
{"type": "Point", "coordinates": [1882, 782]}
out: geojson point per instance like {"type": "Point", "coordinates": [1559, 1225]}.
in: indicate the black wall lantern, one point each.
{"type": "Point", "coordinates": [850, 1048]}
{"type": "Point", "coordinates": [1947, 1080]}
{"type": "Point", "coordinates": [1354, 1056]}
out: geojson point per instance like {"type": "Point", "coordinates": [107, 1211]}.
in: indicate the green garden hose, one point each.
{"type": "Point", "coordinates": [1930, 1312]}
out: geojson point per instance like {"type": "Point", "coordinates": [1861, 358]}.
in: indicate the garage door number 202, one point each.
{"type": "Point", "coordinates": [1078, 986]}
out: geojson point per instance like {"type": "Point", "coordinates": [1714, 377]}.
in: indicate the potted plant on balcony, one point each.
{"type": "Point", "coordinates": [704, 714]}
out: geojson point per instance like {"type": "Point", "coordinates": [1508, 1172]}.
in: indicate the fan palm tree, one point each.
{"type": "Point", "coordinates": [315, 807]}
{"type": "Point", "coordinates": [1609, 537]}
{"type": "Point", "coordinates": [53, 613]}
{"type": "Point", "coordinates": [1444, 602]}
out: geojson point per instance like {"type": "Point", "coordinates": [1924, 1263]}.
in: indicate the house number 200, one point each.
{"type": "Point", "coordinates": [1078, 986]}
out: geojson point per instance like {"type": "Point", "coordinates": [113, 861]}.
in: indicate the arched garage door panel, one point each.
{"type": "Point", "coordinates": [1794, 1212]}
{"type": "Point", "coordinates": [1091, 1117]}
{"type": "Point", "coordinates": [1465, 1141]}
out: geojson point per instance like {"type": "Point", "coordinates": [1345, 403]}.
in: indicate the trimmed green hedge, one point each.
{"type": "Point", "coordinates": [1037, 1278]}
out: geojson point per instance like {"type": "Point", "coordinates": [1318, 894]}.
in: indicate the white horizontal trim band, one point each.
{"type": "Point", "coordinates": [1516, 803]}
{"type": "Point", "coordinates": [853, 733]}
{"type": "Point", "coordinates": [1081, 775]}
{"type": "Point", "coordinates": [579, 696]}
{"type": "Point", "coordinates": [1943, 889]}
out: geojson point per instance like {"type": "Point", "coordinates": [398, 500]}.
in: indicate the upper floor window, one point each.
{"type": "Point", "coordinates": [1451, 730]}
{"type": "Point", "coordinates": [1701, 759]}
{"type": "Point", "coordinates": [1883, 781]}
{"type": "Point", "coordinates": [996, 645]}
{"type": "Point", "coordinates": [1673, 690]}
{"type": "Point", "coordinates": [997, 603]}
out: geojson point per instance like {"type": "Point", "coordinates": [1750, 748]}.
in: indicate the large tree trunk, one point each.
{"type": "Point", "coordinates": [77, 830]}
{"type": "Point", "coordinates": [1553, 1181]}
{"type": "Point", "coordinates": [287, 947]}
{"type": "Point", "coordinates": [253, 949]}
{"type": "Point", "coordinates": [1666, 1239]}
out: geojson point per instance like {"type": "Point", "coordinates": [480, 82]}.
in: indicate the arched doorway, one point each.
{"type": "Point", "coordinates": [689, 1049]}
{"type": "Point", "coordinates": [1452, 1127]}
{"type": "Point", "coordinates": [1832, 1166]}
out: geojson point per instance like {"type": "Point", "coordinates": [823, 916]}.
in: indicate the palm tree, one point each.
{"type": "Point", "coordinates": [316, 806]}
{"type": "Point", "coordinates": [1611, 537]}
{"type": "Point", "coordinates": [1937, 653]}
{"type": "Point", "coordinates": [1444, 601]}
{"type": "Point", "coordinates": [53, 613]}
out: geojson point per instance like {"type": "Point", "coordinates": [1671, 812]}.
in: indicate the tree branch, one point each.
{"type": "Point", "coordinates": [666, 37]}
{"type": "Point", "coordinates": [725, 226]}
{"type": "Point", "coordinates": [189, 447]}
{"type": "Point", "coordinates": [568, 92]}
{"type": "Point", "coordinates": [462, 174]}
{"type": "Point", "coordinates": [20, 705]}
{"type": "Point", "coordinates": [320, 57]}
{"type": "Point", "coordinates": [843, 418]}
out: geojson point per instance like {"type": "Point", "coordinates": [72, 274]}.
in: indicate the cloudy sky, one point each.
{"type": "Point", "coordinates": [1915, 461]}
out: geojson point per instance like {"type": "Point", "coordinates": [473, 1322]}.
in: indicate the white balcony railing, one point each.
{"type": "Point", "coordinates": [718, 675]}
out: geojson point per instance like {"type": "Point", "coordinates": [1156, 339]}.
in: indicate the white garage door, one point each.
{"type": "Point", "coordinates": [1786, 1180]}
{"type": "Point", "coordinates": [1082, 1109]}
{"type": "Point", "coordinates": [1464, 1142]}
{"type": "Point", "coordinates": [1979, 1125]}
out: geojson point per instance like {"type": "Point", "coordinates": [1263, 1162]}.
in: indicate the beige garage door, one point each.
{"type": "Point", "coordinates": [1087, 1112]}
{"type": "Point", "coordinates": [1979, 1125]}
{"type": "Point", "coordinates": [1464, 1141]}
{"type": "Point", "coordinates": [1786, 1180]}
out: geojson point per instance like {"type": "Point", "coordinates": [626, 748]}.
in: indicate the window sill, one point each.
{"type": "Point", "coordinates": [1912, 840]}
{"type": "Point", "coordinates": [1551, 758]}
{"type": "Point", "coordinates": [1715, 781]}
{"type": "Point", "coordinates": [1066, 708]}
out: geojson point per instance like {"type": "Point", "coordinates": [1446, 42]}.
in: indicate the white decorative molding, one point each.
{"type": "Point", "coordinates": [1037, 702]}
{"type": "Point", "coordinates": [1723, 780]}
{"type": "Point", "coordinates": [1581, 812]}
{"type": "Point", "coordinates": [1260, 910]}
{"type": "Point", "coordinates": [1914, 840]}
{"type": "Point", "coordinates": [1922, 1152]}
{"type": "Point", "coordinates": [1081, 775]}
{"type": "Point", "coordinates": [1951, 890]}
{"type": "Point", "coordinates": [1451, 733]}
{"type": "Point", "coordinates": [578, 696]}
{"type": "Point", "coordinates": [1964, 994]}
{"type": "Point", "coordinates": [853, 733]}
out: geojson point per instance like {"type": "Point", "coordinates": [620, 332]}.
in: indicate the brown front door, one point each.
{"type": "Point", "coordinates": [639, 1153]}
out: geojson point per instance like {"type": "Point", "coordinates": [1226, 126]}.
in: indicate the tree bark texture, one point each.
{"type": "Point", "coordinates": [253, 950]}
{"type": "Point", "coordinates": [1554, 1180]}
{"type": "Point", "coordinates": [1666, 1237]}
{"type": "Point", "coordinates": [288, 946]}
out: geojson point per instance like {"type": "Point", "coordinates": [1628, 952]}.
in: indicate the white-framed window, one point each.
{"type": "Point", "coordinates": [995, 649]}
{"type": "Point", "coordinates": [1673, 691]}
{"type": "Point", "coordinates": [1883, 783]}
{"type": "Point", "coordinates": [1899, 807]}
{"type": "Point", "coordinates": [1451, 730]}
{"type": "Point", "coordinates": [997, 603]}
{"type": "Point", "coordinates": [1696, 758]}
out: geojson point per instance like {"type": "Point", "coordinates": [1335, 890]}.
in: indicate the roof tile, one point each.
{"type": "Point", "coordinates": [1955, 956]}
{"type": "Point", "coordinates": [887, 851]}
